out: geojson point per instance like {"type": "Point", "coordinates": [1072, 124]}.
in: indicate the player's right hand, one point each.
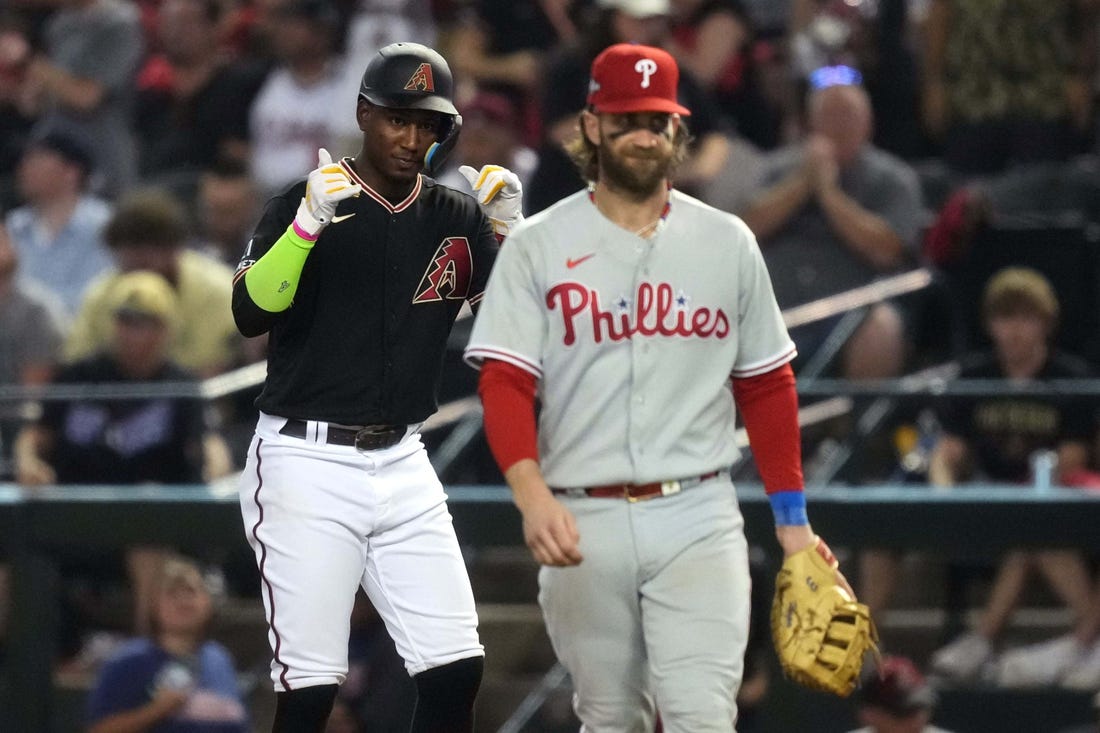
{"type": "Point", "coordinates": [550, 531]}
{"type": "Point", "coordinates": [328, 184]}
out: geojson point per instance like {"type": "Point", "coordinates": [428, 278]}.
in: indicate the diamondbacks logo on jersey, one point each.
{"type": "Point", "coordinates": [655, 311]}
{"type": "Point", "coordinates": [448, 277]}
{"type": "Point", "coordinates": [421, 80]}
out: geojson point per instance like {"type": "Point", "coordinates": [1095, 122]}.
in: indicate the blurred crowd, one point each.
{"type": "Point", "coordinates": [859, 139]}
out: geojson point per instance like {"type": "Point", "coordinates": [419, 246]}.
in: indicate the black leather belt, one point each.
{"type": "Point", "coordinates": [368, 437]}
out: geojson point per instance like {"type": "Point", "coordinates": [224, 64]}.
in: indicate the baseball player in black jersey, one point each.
{"type": "Point", "coordinates": [357, 274]}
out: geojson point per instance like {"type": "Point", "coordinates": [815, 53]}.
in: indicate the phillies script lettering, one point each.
{"type": "Point", "coordinates": [655, 312]}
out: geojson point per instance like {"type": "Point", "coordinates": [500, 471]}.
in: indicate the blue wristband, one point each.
{"type": "Point", "coordinates": [789, 507]}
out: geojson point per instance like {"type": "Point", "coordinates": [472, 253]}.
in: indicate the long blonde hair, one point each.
{"type": "Point", "coordinates": [586, 155]}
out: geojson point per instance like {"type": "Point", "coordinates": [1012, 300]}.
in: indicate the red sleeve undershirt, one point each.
{"type": "Point", "coordinates": [768, 404]}
{"type": "Point", "coordinates": [508, 399]}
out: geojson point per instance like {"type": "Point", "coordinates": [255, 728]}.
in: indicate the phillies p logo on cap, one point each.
{"type": "Point", "coordinates": [630, 77]}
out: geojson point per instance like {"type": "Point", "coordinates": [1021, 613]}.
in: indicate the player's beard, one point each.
{"type": "Point", "coordinates": [639, 175]}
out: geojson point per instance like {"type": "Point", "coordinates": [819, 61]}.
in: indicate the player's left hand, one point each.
{"type": "Point", "coordinates": [499, 194]}
{"type": "Point", "coordinates": [821, 632]}
{"type": "Point", "coordinates": [795, 538]}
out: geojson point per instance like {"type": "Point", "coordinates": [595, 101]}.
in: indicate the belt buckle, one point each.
{"type": "Point", "coordinates": [670, 487]}
{"type": "Point", "coordinates": [370, 437]}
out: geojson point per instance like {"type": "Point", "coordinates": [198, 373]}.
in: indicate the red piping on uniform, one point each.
{"type": "Point", "coordinates": [778, 361]}
{"type": "Point", "coordinates": [379, 197]}
{"type": "Point", "coordinates": [483, 352]}
{"type": "Point", "coordinates": [240, 273]}
{"type": "Point", "coordinates": [263, 562]}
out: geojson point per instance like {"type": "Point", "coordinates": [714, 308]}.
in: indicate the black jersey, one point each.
{"type": "Point", "coordinates": [1005, 430]}
{"type": "Point", "coordinates": [124, 441]}
{"type": "Point", "coordinates": [364, 340]}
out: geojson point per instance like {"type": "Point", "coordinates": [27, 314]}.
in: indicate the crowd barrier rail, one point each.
{"type": "Point", "coordinates": [40, 525]}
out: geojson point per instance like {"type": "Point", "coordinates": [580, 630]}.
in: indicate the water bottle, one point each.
{"type": "Point", "coordinates": [914, 445]}
{"type": "Point", "coordinates": [1043, 464]}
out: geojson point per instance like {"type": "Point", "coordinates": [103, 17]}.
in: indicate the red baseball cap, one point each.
{"type": "Point", "coordinates": [630, 77]}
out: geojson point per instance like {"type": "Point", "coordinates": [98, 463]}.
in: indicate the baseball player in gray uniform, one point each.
{"type": "Point", "coordinates": [639, 316]}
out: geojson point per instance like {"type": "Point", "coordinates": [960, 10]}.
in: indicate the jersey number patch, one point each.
{"type": "Point", "coordinates": [448, 276]}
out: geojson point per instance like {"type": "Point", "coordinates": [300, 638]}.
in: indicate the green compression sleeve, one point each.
{"type": "Point", "coordinates": [273, 280]}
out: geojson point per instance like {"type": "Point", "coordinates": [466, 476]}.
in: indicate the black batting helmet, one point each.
{"type": "Point", "coordinates": [413, 76]}
{"type": "Point", "coordinates": [409, 76]}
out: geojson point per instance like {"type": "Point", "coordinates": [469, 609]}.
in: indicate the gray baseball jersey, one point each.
{"type": "Point", "coordinates": [633, 339]}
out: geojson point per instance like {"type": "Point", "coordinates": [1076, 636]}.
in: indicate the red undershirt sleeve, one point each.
{"type": "Point", "coordinates": [768, 404]}
{"type": "Point", "coordinates": [508, 399]}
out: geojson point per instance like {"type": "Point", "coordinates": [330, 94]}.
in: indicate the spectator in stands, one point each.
{"type": "Point", "coordinates": [192, 103]}
{"type": "Point", "coordinates": [994, 438]}
{"type": "Point", "coordinates": [1008, 82]}
{"type": "Point", "coordinates": [835, 213]}
{"type": "Point", "coordinates": [228, 205]}
{"type": "Point", "coordinates": [85, 80]}
{"type": "Point", "coordinates": [823, 33]}
{"type": "Point", "coordinates": [126, 441]}
{"type": "Point", "coordinates": [149, 232]}
{"type": "Point", "coordinates": [102, 440]}
{"type": "Point", "coordinates": [176, 678]}
{"type": "Point", "coordinates": [715, 41]}
{"type": "Point", "coordinates": [501, 46]}
{"type": "Point", "coordinates": [491, 134]}
{"type": "Point", "coordinates": [1071, 661]}
{"type": "Point", "coordinates": [616, 21]}
{"type": "Point", "coordinates": [30, 341]}
{"type": "Point", "coordinates": [30, 348]}
{"type": "Point", "coordinates": [896, 699]}
{"type": "Point", "coordinates": [875, 38]}
{"type": "Point", "coordinates": [371, 25]}
{"type": "Point", "coordinates": [58, 231]}
{"type": "Point", "coordinates": [15, 122]}
{"type": "Point", "coordinates": [292, 114]}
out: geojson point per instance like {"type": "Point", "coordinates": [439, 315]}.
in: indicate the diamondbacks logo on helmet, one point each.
{"type": "Point", "coordinates": [421, 80]}
{"type": "Point", "coordinates": [448, 277]}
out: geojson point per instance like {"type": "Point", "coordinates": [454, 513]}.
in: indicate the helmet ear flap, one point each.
{"type": "Point", "coordinates": [439, 150]}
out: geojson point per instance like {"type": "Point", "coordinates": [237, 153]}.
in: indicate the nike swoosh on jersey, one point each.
{"type": "Point", "coordinates": [338, 219]}
{"type": "Point", "coordinates": [571, 263]}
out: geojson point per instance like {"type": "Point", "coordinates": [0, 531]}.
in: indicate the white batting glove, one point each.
{"type": "Point", "coordinates": [328, 184]}
{"type": "Point", "coordinates": [499, 194]}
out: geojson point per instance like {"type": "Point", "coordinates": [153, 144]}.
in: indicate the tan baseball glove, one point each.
{"type": "Point", "coordinates": [821, 632]}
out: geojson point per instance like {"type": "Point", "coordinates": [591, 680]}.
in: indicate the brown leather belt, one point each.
{"type": "Point", "coordinates": [639, 492]}
{"type": "Point", "coordinates": [369, 437]}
